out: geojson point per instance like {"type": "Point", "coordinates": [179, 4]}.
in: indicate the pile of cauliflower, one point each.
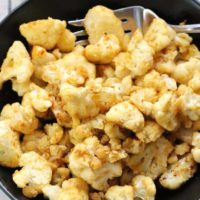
{"type": "Point", "coordinates": [102, 121]}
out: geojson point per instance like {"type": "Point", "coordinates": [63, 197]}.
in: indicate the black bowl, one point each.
{"type": "Point", "coordinates": [173, 11]}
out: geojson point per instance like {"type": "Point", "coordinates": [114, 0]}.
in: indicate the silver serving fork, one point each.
{"type": "Point", "coordinates": [134, 17]}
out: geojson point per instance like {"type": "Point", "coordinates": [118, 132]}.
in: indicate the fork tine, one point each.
{"type": "Point", "coordinates": [78, 22]}
{"type": "Point", "coordinates": [82, 42]}
{"type": "Point", "coordinates": [80, 33]}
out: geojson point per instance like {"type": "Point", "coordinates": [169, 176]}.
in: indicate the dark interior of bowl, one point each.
{"type": "Point", "coordinates": [173, 11]}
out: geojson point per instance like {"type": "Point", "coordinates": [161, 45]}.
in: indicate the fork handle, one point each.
{"type": "Point", "coordinates": [192, 28]}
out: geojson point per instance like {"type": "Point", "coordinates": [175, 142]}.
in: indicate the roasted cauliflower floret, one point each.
{"type": "Point", "coordinates": [100, 20]}
{"type": "Point", "coordinates": [152, 161]}
{"type": "Point", "coordinates": [38, 141]}
{"type": "Point", "coordinates": [39, 98]}
{"type": "Point", "coordinates": [143, 99]}
{"type": "Point", "coordinates": [182, 41]}
{"type": "Point", "coordinates": [88, 161]}
{"type": "Point", "coordinates": [184, 71]}
{"type": "Point", "coordinates": [169, 82]}
{"type": "Point", "coordinates": [179, 173]}
{"type": "Point", "coordinates": [141, 55]}
{"type": "Point", "coordinates": [79, 133]}
{"type": "Point", "coordinates": [190, 106]}
{"type": "Point", "coordinates": [60, 175]}
{"type": "Point", "coordinates": [40, 57]}
{"type": "Point", "coordinates": [10, 150]}
{"type": "Point", "coordinates": [121, 63]}
{"type": "Point", "coordinates": [34, 175]}
{"type": "Point", "coordinates": [133, 146]}
{"type": "Point", "coordinates": [21, 119]}
{"type": "Point", "coordinates": [74, 188]}
{"type": "Point", "coordinates": [17, 66]}
{"type": "Point", "coordinates": [165, 59]}
{"type": "Point", "coordinates": [165, 111]}
{"type": "Point", "coordinates": [62, 117]}
{"type": "Point", "coordinates": [120, 193]}
{"type": "Point", "coordinates": [152, 80]}
{"type": "Point", "coordinates": [126, 115]}
{"type": "Point", "coordinates": [196, 146]}
{"type": "Point", "coordinates": [150, 133]}
{"type": "Point", "coordinates": [55, 132]}
{"type": "Point", "coordinates": [78, 102]}
{"type": "Point", "coordinates": [104, 50]}
{"type": "Point", "coordinates": [159, 35]}
{"type": "Point", "coordinates": [181, 149]}
{"type": "Point", "coordinates": [45, 32]}
{"type": "Point", "coordinates": [143, 187]}
{"type": "Point", "coordinates": [66, 41]}
{"type": "Point", "coordinates": [194, 83]}
{"type": "Point", "coordinates": [73, 68]}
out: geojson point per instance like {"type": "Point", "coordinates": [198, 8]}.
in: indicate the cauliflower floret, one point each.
{"type": "Point", "coordinates": [66, 42]}
{"type": "Point", "coordinates": [34, 175]}
{"type": "Point", "coordinates": [120, 62]}
{"type": "Point", "coordinates": [169, 82]}
{"type": "Point", "coordinates": [182, 41]}
{"type": "Point", "coordinates": [126, 115]}
{"type": "Point", "coordinates": [59, 175]}
{"type": "Point", "coordinates": [109, 92]}
{"type": "Point", "coordinates": [141, 55]}
{"type": "Point", "coordinates": [184, 135]}
{"type": "Point", "coordinates": [143, 187]}
{"type": "Point", "coordinates": [39, 98]}
{"type": "Point", "coordinates": [144, 98]}
{"type": "Point", "coordinates": [104, 50]}
{"type": "Point", "coordinates": [196, 139]}
{"type": "Point", "coordinates": [190, 105]}
{"type": "Point", "coordinates": [165, 111]}
{"type": "Point", "coordinates": [21, 119]}
{"type": "Point", "coordinates": [120, 193]}
{"type": "Point", "coordinates": [192, 52]}
{"type": "Point", "coordinates": [105, 71]}
{"type": "Point", "coordinates": [194, 83]}
{"type": "Point", "coordinates": [181, 149]}
{"type": "Point", "coordinates": [40, 57]}
{"type": "Point", "coordinates": [62, 117]}
{"type": "Point", "coordinates": [153, 160]}
{"type": "Point", "coordinates": [100, 20]}
{"type": "Point", "coordinates": [88, 161]}
{"type": "Point", "coordinates": [152, 80]}
{"type": "Point", "coordinates": [21, 88]}
{"type": "Point", "coordinates": [45, 32]}
{"type": "Point", "coordinates": [165, 60]}
{"type": "Point", "coordinates": [78, 102]}
{"type": "Point", "coordinates": [196, 149]}
{"type": "Point", "coordinates": [159, 34]}
{"type": "Point", "coordinates": [113, 131]}
{"type": "Point", "coordinates": [17, 65]}
{"type": "Point", "coordinates": [133, 146]}
{"type": "Point", "coordinates": [72, 189]}
{"type": "Point", "coordinates": [55, 132]}
{"type": "Point", "coordinates": [185, 71]}
{"type": "Point", "coordinates": [72, 68]}
{"type": "Point", "coordinates": [10, 150]}
{"type": "Point", "coordinates": [38, 141]}
{"type": "Point", "coordinates": [179, 173]}
{"type": "Point", "coordinates": [196, 154]}
{"type": "Point", "coordinates": [79, 133]}
{"type": "Point", "coordinates": [150, 133]}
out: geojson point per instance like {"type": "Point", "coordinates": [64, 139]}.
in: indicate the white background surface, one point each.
{"type": "Point", "coordinates": [4, 10]}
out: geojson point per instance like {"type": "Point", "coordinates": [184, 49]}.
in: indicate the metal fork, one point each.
{"type": "Point", "coordinates": [133, 17]}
